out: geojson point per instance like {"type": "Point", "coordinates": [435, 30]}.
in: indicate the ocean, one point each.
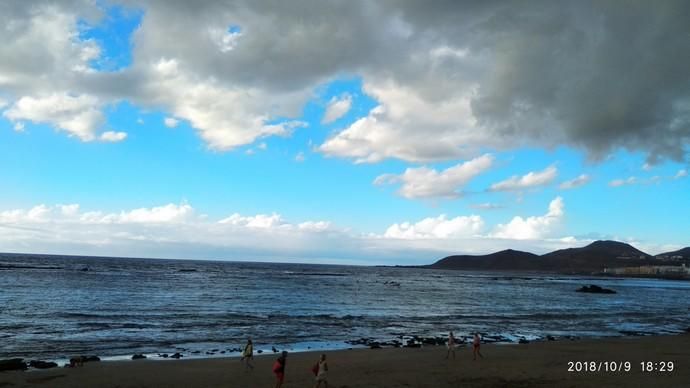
{"type": "Point", "coordinates": [55, 307]}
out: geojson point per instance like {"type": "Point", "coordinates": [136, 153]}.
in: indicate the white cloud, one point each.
{"type": "Point", "coordinates": [69, 210]}
{"type": "Point", "coordinates": [621, 182]}
{"type": "Point", "coordinates": [647, 167]}
{"type": "Point", "coordinates": [172, 230]}
{"type": "Point", "coordinates": [337, 108]}
{"type": "Point", "coordinates": [682, 173]}
{"type": "Point", "coordinates": [261, 221]}
{"type": "Point", "coordinates": [315, 226]}
{"type": "Point", "coordinates": [300, 157]}
{"type": "Point", "coordinates": [262, 146]}
{"type": "Point", "coordinates": [77, 115]}
{"type": "Point", "coordinates": [394, 128]}
{"type": "Point", "coordinates": [19, 126]}
{"type": "Point", "coordinates": [224, 39]}
{"type": "Point", "coordinates": [486, 206]}
{"type": "Point", "coordinates": [424, 182]}
{"type": "Point", "coordinates": [179, 231]}
{"type": "Point", "coordinates": [532, 228]}
{"type": "Point", "coordinates": [224, 117]}
{"type": "Point", "coordinates": [581, 180]}
{"type": "Point", "coordinates": [532, 179]}
{"type": "Point", "coordinates": [113, 137]}
{"type": "Point", "coordinates": [439, 227]}
{"type": "Point", "coordinates": [170, 122]}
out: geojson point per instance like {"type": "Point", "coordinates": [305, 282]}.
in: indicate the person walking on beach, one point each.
{"type": "Point", "coordinates": [475, 346]}
{"type": "Point", "coordinates": [451, 345]}
{"type": "Point", "coordinates": [248, 355]}
{"type": "Point", "coordinates": [321, 372]}
{"type": "Point", "coordinates": [279, 369]}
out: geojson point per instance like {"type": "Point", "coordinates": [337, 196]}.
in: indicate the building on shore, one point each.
{"type": "Point", "coordinates": [650, 270]}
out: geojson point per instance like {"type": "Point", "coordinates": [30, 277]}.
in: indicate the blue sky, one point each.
{"type": "Point", "coordinates": [138, 137]}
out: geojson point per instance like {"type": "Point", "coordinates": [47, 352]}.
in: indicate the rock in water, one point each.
{"type": "Point", "coordinates": [594, 289]}
{"type": "Point", "coordinates": [42, 364]}
{"type": "Point", "coordinates": [138, 357]}
{"type": "Point", "coordinates": [13, 364]}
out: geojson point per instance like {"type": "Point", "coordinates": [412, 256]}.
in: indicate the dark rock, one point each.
{"type": "Point", "coordinates": [138, 357]}
{"type": "Point", "coordinates": [176, 356]}
{"type": "Point", "coordinates": [259, 351]}
{"type": "Point", "coordinates": [84, 269]}
{"type": "Point", "coordinates": [594, 289]}
{"type": "Point", "coordinates": [215, 350]}
{"type": "Point", "coordinates": [164, 355]}
{"type": "Point", "coordinates": [523, 341]}
{"type": "Point", "coordinates": [13, 364]}
{"type": "Point", "coordinates": [196, 352]}
{"type": "Point", "coordinates": [273, 348]}
{"type": "Point", "coordinates": [222, 352]}
{"type": "Point", "coordinates": [634, 333]}
{"type": "Point", "coordinates": [80, 360]}
{"type": "Point", "coordinates": [42, 364]}
{"type": "Point", "coordinates": [550, 338]}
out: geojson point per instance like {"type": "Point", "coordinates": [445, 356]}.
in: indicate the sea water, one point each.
{"type": "Point", "coordinates": [54, 307]}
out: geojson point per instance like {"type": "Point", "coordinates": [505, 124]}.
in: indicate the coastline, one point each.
{"type": "Point", "coordinates": [539, 364]}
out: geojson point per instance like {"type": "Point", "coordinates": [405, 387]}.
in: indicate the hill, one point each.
{"type": "Point", "coordinates": [679, 255]}
{"type": "Point", "coordinates": [597, 256]}
{"type": "Point", "coordinates": [592, 258]}
{"type": "Point", "coordinates": [508, 260]}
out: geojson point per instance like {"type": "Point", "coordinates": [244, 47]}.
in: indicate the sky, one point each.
{"type": "Point", "coordinates": [353, 132]}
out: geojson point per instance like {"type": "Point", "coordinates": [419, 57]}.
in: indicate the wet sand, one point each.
{"type": "Point", "coordinates": [539, 364]}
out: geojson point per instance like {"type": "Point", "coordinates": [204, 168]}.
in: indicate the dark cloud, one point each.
{"type": "Point", "coordinates": [598, 75]}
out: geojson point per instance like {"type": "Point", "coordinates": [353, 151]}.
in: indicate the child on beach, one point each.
{"type": "Point", "coordinates": [322, 373]}
{"type": "Point", "coordinates": [451, 345]}
{"type": "Point", "coordinates": [248, 355]}
{"type": "Point", "coordinates": [279, 369]}
{"type": "Point", "coordinates": [475, 346]}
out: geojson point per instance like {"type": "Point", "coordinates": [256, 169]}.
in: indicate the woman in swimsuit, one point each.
{"type": "Point", "coordinates": [451, 345]}
{"type": "Point", "coordinates": [248, 355]}
{"type": "Point", "coordinates": [279, 369]}
{"type": "Point", "coordinates": [322, 374]}
{"type": "Point", "coordinates": [475, 346]}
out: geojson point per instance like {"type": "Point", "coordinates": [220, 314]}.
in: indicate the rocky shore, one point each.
{"type": "Point", "coordinates": [402, 341]}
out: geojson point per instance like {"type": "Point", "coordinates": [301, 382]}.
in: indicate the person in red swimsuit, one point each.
{"type": "Point", "coordinates": [279, 369]}
{"type": "Point", "coordinates": [475, 345]}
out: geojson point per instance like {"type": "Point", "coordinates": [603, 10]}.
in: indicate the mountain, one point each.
{"type": "Point", "coordinates": [679, 255]}
{"type": "Point", "coordinates": [597, 256]}
{"type": "Point", "coordinates": [508, 260]}
{"type": "Point", "coordinates": [592, 258]}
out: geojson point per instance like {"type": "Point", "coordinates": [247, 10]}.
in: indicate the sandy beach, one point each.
{"type": "Point", "coordinates": [538, 364]}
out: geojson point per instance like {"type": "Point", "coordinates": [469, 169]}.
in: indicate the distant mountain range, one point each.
{"type": "Point", "coordinates": [592, 258]}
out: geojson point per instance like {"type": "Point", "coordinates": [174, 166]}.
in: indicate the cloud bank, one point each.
{"type": "Point", "coordinates": [450, 80]}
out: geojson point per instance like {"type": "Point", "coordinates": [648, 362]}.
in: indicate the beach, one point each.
{"type": "Point", "coordinates": [536, 364]}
